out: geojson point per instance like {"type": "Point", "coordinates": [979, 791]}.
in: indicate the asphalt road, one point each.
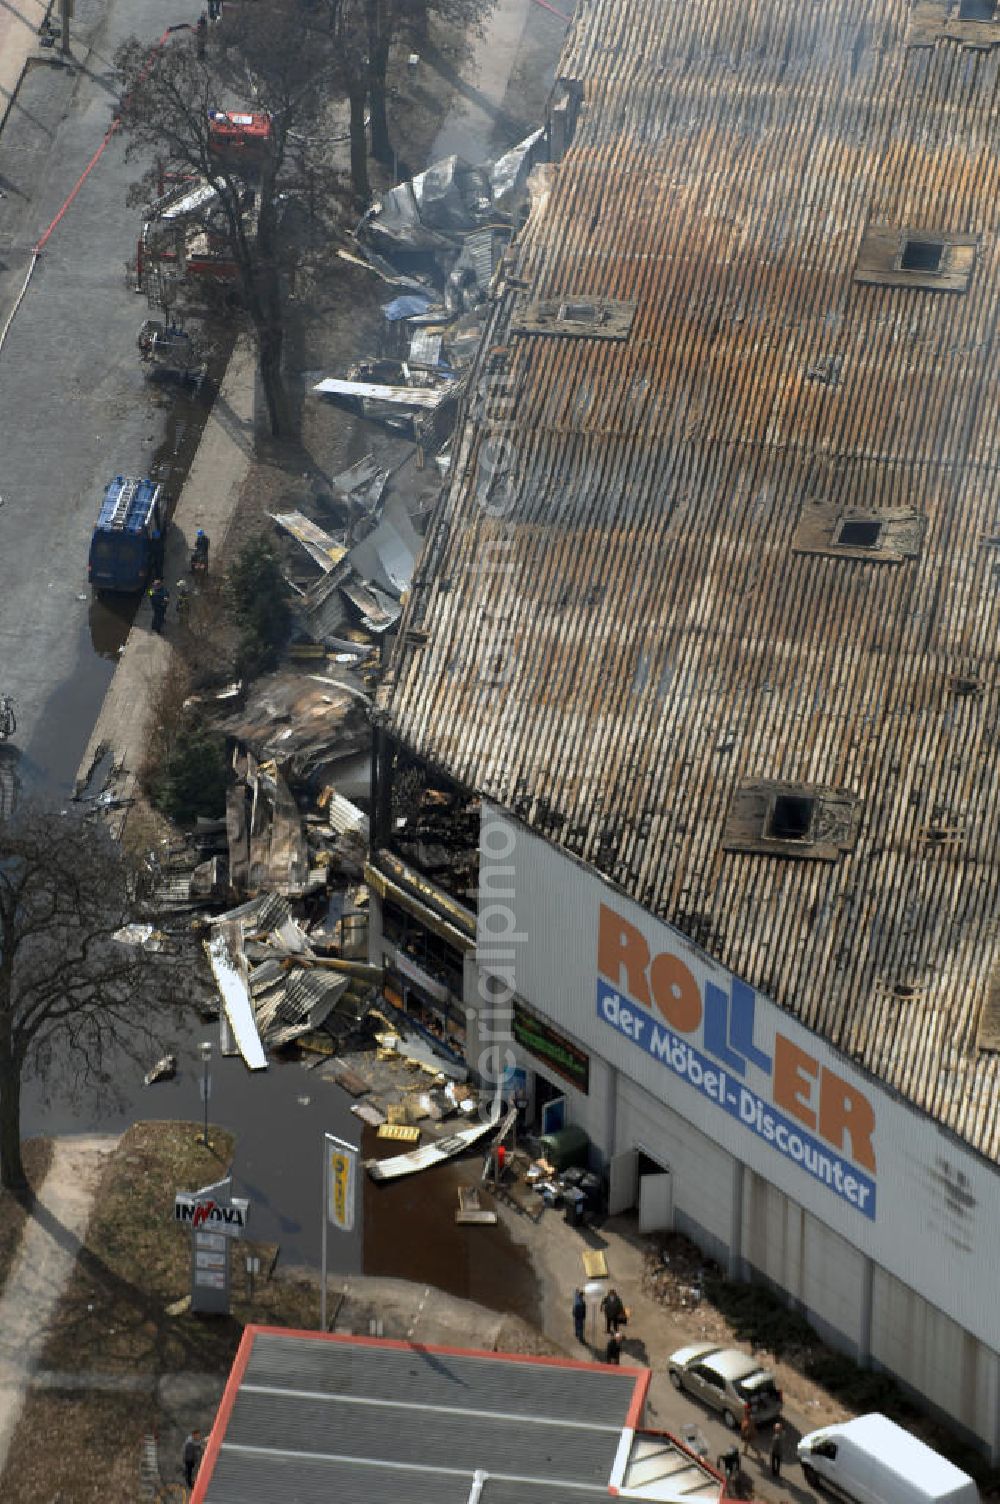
{"type": "Point", "coordinates": [75, 408]}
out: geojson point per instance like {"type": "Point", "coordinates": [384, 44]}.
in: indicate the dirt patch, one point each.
{"type": "Point", "coordinates": [37, 1155]}
{"type": "Point", "coordinates": [516, 1336]}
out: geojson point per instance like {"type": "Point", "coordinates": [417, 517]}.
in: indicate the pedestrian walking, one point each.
{"type": "Point", "coordinates": [777, 1440]}
{"type": "Point", "coordinates": [159, 597]}
{"type": "Point", "coordinates": [192, 1456]}
{"type": "Point", "coordinates": [579, 1314]}
{"type": "Point", "coordinates": [613, 1351]}
{"type": "Point", "coordinates": [613, 1309]}
{"type": "Point", "coordinates": [748, 1431]}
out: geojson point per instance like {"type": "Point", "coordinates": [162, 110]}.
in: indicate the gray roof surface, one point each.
{"type": "Point", "coordinates": [318, 1419]}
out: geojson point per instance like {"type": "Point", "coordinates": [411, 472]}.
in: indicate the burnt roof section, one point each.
{"type": "Point", "coordinates": [311, 1417]}
{"type": "Point", "coordinates": [631, 627]}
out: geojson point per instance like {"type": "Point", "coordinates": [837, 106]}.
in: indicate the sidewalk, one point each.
{"type": "Point", "coordinates": [208, 500]}
{"type": "Point", "coordinates": [52, 1238]}
{"type": "Point", "coordinates": [19, 23]}
{"type": "Point", "coordinates": [654, 1332]}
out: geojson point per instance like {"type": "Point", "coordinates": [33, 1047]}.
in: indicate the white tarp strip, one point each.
{"type": "Point", "coordinates": [235, 996]}
{"type": "Point", "coordinates": [444, 1148]}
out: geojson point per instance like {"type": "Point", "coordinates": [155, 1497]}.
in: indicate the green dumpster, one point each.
{"type": "Point", "coordinates": [566, 1148]}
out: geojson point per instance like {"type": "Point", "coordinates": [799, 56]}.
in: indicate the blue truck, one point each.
{"type": "Point", "coordinates": [126, 550]}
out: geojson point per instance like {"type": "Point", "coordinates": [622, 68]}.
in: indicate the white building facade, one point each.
{"type": "Point", "coordinates": [720, 1116]}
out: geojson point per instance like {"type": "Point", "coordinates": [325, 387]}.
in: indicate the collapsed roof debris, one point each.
{"type": "Point", "coordinates": [368, 584]}
{"type": "Point", "coordinates": [229, 968]}
{"type": "Point", "coordinates": [267, 846]}
{"type": "Point", "coordinates": [306, 723]}
{"type": "Point", "coordinates": [362, 485]}
{"type": "Point", "coordinates": [287, 986]}
{"type": "Point", "coordinates": [440, 237]}
{"type": "Point", "coordinates": [320, 547]}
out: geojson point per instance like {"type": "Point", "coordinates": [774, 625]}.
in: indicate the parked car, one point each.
{"type": "Point", "coordinates": [872, 1460]}
{"type": "Point", "coordinates": [726, 1380]}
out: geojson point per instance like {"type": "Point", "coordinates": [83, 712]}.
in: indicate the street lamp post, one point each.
{"type": "Point", "coordinates": [206, 1082]}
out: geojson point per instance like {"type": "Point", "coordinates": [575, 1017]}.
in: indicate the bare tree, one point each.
{"type": "Point", "coordinates": [278, 61]}
{"type": "Point", "coordinates": [68, 990]}
{"type": "Point", "coordinates": [399, 23]}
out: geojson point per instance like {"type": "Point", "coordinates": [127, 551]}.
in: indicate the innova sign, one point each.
{"type": "Point", "coordinates": [708, 1035]}
{"type": "Point", "coordinates": [213, 1209]}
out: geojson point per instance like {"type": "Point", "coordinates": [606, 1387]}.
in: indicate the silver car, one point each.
{"type": "Point", "coordinates": [726, 1380]}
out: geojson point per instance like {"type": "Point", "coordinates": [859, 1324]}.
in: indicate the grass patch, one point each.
{"type": "Point", "coordinates": [37, 1155]}
{"type": "Point", "coordinates": [81, 1449]}
{"type": "Point", "coordinates": [85, 1444]}
{"type": "Point", "coordinates": [136, 1263]}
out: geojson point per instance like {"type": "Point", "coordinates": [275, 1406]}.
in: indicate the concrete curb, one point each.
{"type": "Point", "coordinates": [209, 499]}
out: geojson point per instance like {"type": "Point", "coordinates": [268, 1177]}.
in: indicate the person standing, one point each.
{"type": "Point", "coordinates": [613, 1310]}
{"type": "Point", "coordinates": [159, 597]}
{"type": "Point", "coordinates": [200, 33]}
{"type": "Point", "coordinates": [579, 1315]}
{"type": "Point", "coordinates": [192, 1456]}
{"type": "Point", "coordinates": [748, 1431]}
{"type": "Point", "coordinates": [777, 1437]}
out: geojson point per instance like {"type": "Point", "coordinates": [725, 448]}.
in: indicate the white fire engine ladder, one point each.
{"type": "Point", "coordinates": [125, 498]}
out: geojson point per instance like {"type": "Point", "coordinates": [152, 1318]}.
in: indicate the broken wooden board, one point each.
{"type": "Point", "coordinates": [350, 1081]}
{"type": "Point", "coordinates": [369, 1114]}
{"type": "Point", "coordinates": [401, 1132]}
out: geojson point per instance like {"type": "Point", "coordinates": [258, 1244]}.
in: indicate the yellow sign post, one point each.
{"type": "Point", "coordinates": [340, 1164]}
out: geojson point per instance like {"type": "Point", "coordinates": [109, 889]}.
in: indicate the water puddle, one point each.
{"type": "Point", "coordinates": [410, 1233]}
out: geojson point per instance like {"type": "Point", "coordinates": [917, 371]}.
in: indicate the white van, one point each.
{"type": "Point", "coordinates": [871, 1460]}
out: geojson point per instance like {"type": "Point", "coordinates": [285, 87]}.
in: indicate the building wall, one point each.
{"type": "Point", "coordinates": [702, 1173]}
{"type": "Point", "coordinates": [821, 1273]}
{"type": "Point", "coordinates": [777, 1096]}
{"type": "Point", "coordinates": [934, 1356]}
{"type": "Point", "coordinates": [918, 1258]}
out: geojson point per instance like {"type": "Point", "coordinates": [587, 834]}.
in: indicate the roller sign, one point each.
{"type": "Point", "coordinates": [707, 1036]}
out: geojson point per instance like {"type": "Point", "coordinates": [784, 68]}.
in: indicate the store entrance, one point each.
{"type": "Point", "coordinates": [656, 1194]}
{"type": "Point", "coordinates": [546, 1092]}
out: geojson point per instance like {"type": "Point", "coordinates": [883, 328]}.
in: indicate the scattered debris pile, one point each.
{"type": "Point", "coordinates": [277, 982]}
{"type": "Point", "coordinates": [440, 237]}
{"type": "Point", "coordinates": [309, 725]}
{"type": "Point", "coordinates": [674, 1272]}
{"type": "Point", "coordinates": [353, 585]}
{"type": "Point", "coordinates": [435, 830]}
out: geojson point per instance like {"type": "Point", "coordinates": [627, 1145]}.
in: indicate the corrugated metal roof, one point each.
{"type": "Point", "coordinates": [618, 628]}
{"type": "Point", "coordinates": [316, 1419]}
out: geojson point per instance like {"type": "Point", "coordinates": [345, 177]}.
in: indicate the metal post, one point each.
{"type": "Point", "coordinates": [65, 11]}
{"type": "Point", "coordinates": [206, 1085]}
{"type": "Point", "coordinates": [322, 1286]}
